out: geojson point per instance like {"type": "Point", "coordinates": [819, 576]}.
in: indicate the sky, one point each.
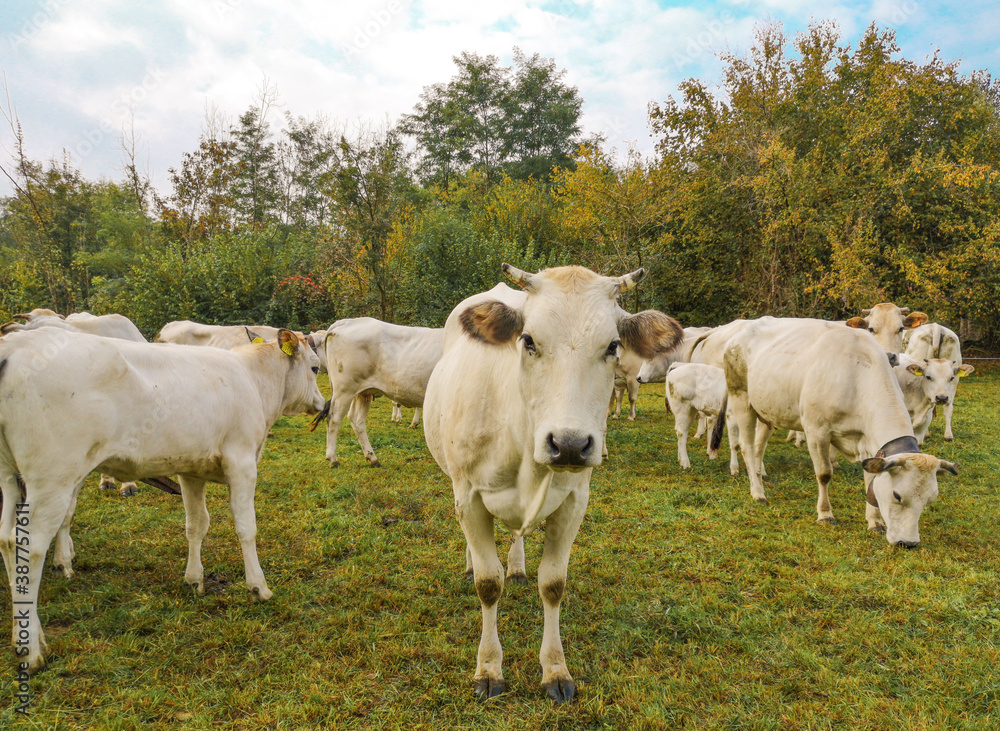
{"type": "Point", "coordinates": [77, 73]}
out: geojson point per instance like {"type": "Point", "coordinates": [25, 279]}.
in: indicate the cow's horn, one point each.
{"type": "Point", "coordinates": [904, 310]}
{"type": "Point", "coordinates": [630, 280]}
{"type": "Point", "coordinates": [866, 312]}
{"type": "Point", "coordinates": [518, 276]}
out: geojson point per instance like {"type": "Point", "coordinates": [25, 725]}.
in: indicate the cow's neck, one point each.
{"type": "Point", "coordinates": [888, 421]}
{"type": "Point", "coordinates": [268, 370]}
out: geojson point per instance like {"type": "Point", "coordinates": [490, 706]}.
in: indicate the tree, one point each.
{"type": "Point", "coordinates": [496, 119]}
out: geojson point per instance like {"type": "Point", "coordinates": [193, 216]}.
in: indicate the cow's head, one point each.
{"type": "Point", "coordinates": [301, 395]}
{"type": "Point", "coordinates": [887, 323]}
{"type": "Point", "coordinates": [939, 379]}
{"type": "Point", "coordinates": [568, 334]}
{"type": "Point", "coordinates": [901, 486]}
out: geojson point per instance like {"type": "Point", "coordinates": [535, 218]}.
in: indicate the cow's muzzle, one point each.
{"type": "Point", "coordinates": [942, 400]}
{"type": "Point", "coordinates": [570, 450]}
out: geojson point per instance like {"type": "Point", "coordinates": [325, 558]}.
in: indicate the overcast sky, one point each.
{"type": "Point", "coordinates": [78, 71]}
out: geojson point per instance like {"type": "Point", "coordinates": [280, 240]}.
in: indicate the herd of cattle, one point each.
{"type": "Point", "coordinates": [515, 391]}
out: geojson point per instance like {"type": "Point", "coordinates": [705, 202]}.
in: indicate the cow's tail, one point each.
{"type": "Point", "coordinates": [325, 413]}
{"type": "Point", "coordinates": [720, 424]}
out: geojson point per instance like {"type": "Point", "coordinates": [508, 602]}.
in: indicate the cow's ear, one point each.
{"type": "Point", "coordinates": [964, 370]}
{"type": "Point", "coordinates": [10, 327]}
{"type": "Point", "coordinates": [858, 322]}
{"type": "Point", "coordinates": [915, 369]}
{"type": "Point", "coordinates": [492, 322]}
{"type": "Point", "coordinates": [650, 333]}
{"type": "Point", "coordinates": [288, 341]}
{"type": "Point", "coordinates": [914, 319]}
{"type": "Point", "coordinates": [874, 465]}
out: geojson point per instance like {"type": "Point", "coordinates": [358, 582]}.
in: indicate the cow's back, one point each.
{"type": "Point", "coordinates": [933, 340]}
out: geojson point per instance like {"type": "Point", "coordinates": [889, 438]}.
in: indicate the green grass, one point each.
{"type": "Point", "coordinates": [688, 605]}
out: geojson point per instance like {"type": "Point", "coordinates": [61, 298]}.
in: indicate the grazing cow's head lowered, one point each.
{"type": "Point", "coordinates": [902, 486]}
{"type": "Point", "coordinates": [568, 334]}
{"type": "Point", "coordinates": [887, 322]}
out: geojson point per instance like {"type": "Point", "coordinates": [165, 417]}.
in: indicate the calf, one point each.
{"type": "Point", "coordinates": [927, 384]}
{"type": "Point", "coordinates": [698, 390]}
{"type": "Point", "coordinates": [73, 403]}
{"type": "Point", "coordinates": [931, 341]}
{"type": "Point", "coordinates": [367, 357]}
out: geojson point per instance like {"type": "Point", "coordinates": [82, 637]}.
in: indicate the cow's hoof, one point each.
{"type": "Point", "coordinates": [827, 521]}
{"type": "Point", "coordinates": [261, 593]}
{"type": "Point", "coordinates": [487, 688]}
{"type": "Point", "coordinates": [36, 664]}
{"type": "Point", "coordinates": [519, 578]}
{"type": "Point", "coordinates": [876, 529]}
{"type": "Point", "coordinates": [107, 486]}
{"type": "Point", "coordinates": [198, 587]}
{"type": "Point", "coordinates": [561, 690]}
{"type": "Point", "coordinates": [334, 463]}
{"type": "Point", "coordinates": [761, 500]}
{"type": "Point", "coordinates": [375, 463]}
{"type": "Point", "coordinates": [949, 439]}
{"type": "Point", "coordinates": [67, 571]}
{"type": "Point", "coordinates": [129, 491]}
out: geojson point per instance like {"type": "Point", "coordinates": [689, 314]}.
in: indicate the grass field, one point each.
{"type": "Point", "coordinates": [687, 606]}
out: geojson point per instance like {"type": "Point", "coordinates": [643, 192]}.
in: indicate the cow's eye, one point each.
{"type": "Point", "coordinates": [951, 379]}
{"type": "Point", "coordinates": [315, 370]}
{"type": "Point", "coordinates": [529, 343]}
{"type": "Point", "coordinates": [927, 377]}
{"type": "Point", "coordinates": [901, 329]}
{"type": "Point", "coordinates": [871, 330]}
{"type": "Point", "coordinates": [612, 350]}
{"type": "Point", "coordinates": [896, 497]}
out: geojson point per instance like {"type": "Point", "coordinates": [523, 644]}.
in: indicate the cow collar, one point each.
{"type": "Point", "coordinates": [899, 445]}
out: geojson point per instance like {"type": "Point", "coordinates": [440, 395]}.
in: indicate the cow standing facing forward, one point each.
{"type": "Point", "coordinates": [515, 415]}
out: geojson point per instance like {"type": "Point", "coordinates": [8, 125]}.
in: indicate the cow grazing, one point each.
{"type": "Point", "coordinates": [930, 341]}
{"type": "Point", "coordinates": [888, 323]}
{"type": "Point", "coordinates": [697, 390]}
{"type": "Point", "coordinates": [71, 403]}
{"type": "Point", "coordinates": [836, 385]}
{"type": "Point", "coordinates": [515, 415]}
{"type": "Point", "coordinates": [106, 326]}
{"type": "Point", "coordinates": [367, 357]}
{"type": "Point", "coordinates": [927, 384]}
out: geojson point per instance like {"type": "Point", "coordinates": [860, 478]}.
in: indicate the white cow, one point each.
{"type": "Point", "coordinates": [697, 390]}
{"type": "Point", "coordinates": [107, 326]}
{"type": "Point", "coordinates": [626, 382]}
{"type": "Point", "coordinates": [927, 384]}
{"type": "Point", "coordinates": [397, 415]}
{"type": "Point", "coordinates": [227, 337]}
{"type": "Point", "coordinates": [887, 323]}
{"type": "Point", "coordinates": [367, 357]}
{"type": "Point", "coordinates": [74, 403]}
{"type": "Point", "coordinates": [931, 341]}
{"type": "Point", "coordinates": [835, 384]}
{"type": "Point", "coordinates": [515, 415]}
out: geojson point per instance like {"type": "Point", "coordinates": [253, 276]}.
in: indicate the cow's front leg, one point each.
{"type": "Point", "coordinates": [872, 513]}
{"type": "Point", "coordinates": [196, 522]}
{"type": "Point", "coordinates": [416, 418]}
{"type": "Point", "coordinates": [948, 408]}
{"type": "Point", "coordinates": [359, 419]}
{"type": "Point", "coordinates": [633, 397]}
{"type": "Point", "coordinates": [682, 424]}
{"type": "Point", "coordinates": [397, 413]}
{"type": "Point", "coordinates": [560, 532]}
{"type": "Point", "coordinates": [242, 485]}
{"type": "Point", "coordinates": [477, 524]}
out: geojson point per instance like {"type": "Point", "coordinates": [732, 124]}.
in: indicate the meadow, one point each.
{"type": "Point", "coordinates": [687, 604]}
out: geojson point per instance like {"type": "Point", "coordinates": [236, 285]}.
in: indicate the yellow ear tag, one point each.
{"type": "Point", "coordinates": [288, 349]}
{"type": "Point", "coordinates": [257, 341]}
